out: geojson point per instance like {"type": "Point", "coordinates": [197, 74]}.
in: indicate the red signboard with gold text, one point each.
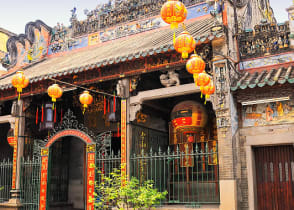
{"type": "Point", "coordinates": [90, 176]}
{"type": "Point", "coordinates": [123, 137]}
{"type": "Point", "coordinates": [14, 154]}
{"type": "Point", "coordinates": [44, 179]}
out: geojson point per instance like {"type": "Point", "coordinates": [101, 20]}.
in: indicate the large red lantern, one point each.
{"type": "Point", "coordinates": [86, 99]}
{"type": "Point", "coordinates": [195, 65]}
{"type": "Point", "coordinates": [173, 12]}
{"type": "Point", "coordinates": [185, 44]}
{"type": "Point", "coordinates": [54, 91]}
{"type": "Point", "coordinates": [19, 81]}
{"type": "Point", "coordinates": [203, 79]}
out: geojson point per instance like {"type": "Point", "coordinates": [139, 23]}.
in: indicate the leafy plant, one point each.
{"type": "Point", "coordinates": [117, 191]}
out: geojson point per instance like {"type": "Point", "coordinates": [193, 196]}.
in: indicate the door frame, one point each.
{"type": "Point", "coordinates": [69, 127]}
{"type": "Point", "coordinates": [262, 136]}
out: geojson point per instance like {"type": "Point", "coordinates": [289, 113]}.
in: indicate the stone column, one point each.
{"type": "Point", "coordinates": [224, 108]}
{"type": "Point", "coordinates": [290, 11]}
{"type": "Point", "coordinates": [14, 202]}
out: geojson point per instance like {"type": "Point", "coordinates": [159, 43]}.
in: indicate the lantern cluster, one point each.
{"type": "Point", "coordinates": [196, 66]}
{"type": "Point", "coordinates": [174, 12]}
{"type": "Point", "coordinates": [19, 81]}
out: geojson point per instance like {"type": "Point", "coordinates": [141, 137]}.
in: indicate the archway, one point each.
{"type": "Point", "coordinates": [69, 128]}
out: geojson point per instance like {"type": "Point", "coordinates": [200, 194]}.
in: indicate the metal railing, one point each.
{"type": "Point", "coordinates": [30, 183]}
{"type": "Point", "coordinates": [188, 172]}
{"type": "Point", "coordinates": [5, 180]}
{"type": "Point", "coordinates": [190, 177]}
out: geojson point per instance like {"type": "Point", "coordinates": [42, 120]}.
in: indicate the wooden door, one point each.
{"type": "Point", "coordinates": [275, 177]}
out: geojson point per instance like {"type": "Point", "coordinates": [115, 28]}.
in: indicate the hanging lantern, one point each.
{"type": "Point", "coordinates": [54, 91]}
{"type": "Point", "coordinates": [203, 79]}
{"type": "Point", "coordinates": [173, 12]}
{"type": "Point", "coordinates": [195, 65]}
{"type": "Point", "coordinates": [184, 44]}
{"type": "Point", "coordinates": [19, 81]}
{"type": "Point", "coordinates": [86, 99]}
{"type": "Point", "coordinates": [207, 90]}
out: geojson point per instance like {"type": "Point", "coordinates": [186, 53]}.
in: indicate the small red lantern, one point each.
{"type": "Point", "coordinates": [86, 99]}
{"type": "Point", "coordinates": [208, 89]}
{"type": "Point", "coordinates": [203, 79]}
{"type": "Point", "coordinates": [191, 139]}
{"type": "Point", "coordinates": [195, 65]}
{"type": "Point", "coordinates": [173, 12]}
{"type": "Point", "coordinates": [54, 91]}
{"type": "Point", "coordinates": [19, 81]}
{"type": "Point", "coordinates": [185, 44]}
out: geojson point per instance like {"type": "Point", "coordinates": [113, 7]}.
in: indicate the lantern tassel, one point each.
{"type": "Point", "coordinates": [37, 115]}
{"type": "Point", "coordinates": [108, 106]}
{"type": "Point", "coordinates": [53, 106]}
{"type": "Point", "coordinates": [114, 103]}
{"type": "Point", "coordinates": [61, 113]}
{"type": "Point", "coordinates": [201, 95]}
{"type": "Point", "coordinates": [104, 103]}
{"type": "Point", "coordinates": [42, 117]}
{"type": "Point", "coordinates": [55, 115]}
{"type": "Point", "coordinates": [18, 96]}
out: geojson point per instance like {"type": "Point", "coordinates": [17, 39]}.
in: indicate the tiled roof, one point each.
{"type": "Point", "coordinates": [271, 77]}
{"type": "Point", "coordinates": [129, 48]}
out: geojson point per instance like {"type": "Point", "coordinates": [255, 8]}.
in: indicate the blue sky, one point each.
{"type": "Point", "coordinates": [14, 14]}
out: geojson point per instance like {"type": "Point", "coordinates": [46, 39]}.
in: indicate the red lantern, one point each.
{"type": "Point", "coordinates": [203, 79]}
{"type": "Point", "coordinates": [208, 89]}
{"type": "Point", "coordinates": [173, 12]}
{"type": "Point", "coordinates": [195, 64]}
{"type": "Point", "coordinates": [19, 81]}
{"type": "Point", "coordinates": [191, 139]}
{"type": "Point", "coordinates": [86, 99]}
{"type": "Point", "coordinates": [184, 44]}
{"type": "Point", "coordinates": [54, 91]}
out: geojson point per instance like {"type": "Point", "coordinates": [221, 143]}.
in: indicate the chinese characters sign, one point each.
{"type": "Point", "coordinates": [123, 137]}
{"type": "Point", "coordinates": [90, 176]}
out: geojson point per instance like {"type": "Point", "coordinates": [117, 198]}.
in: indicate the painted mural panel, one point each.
{"type": "Point", "coordinates": [267, 61]}
{"type": "Point", "coordinates": [268, 113]}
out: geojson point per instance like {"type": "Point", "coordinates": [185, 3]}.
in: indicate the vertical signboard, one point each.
{"type": "Point", "coordinates": [123, 137]}
{"type": "Point", "coordinates": [14, 143]}
{"type": "Point", "coordinates": [90, 176]}
{"type": "Point", "coordinates": [44, 178]}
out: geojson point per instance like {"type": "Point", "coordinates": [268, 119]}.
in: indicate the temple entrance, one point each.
{"type": "Point", "coordinates": [67, 174]}
{"type": "Point", "coordinates": [68, 167]}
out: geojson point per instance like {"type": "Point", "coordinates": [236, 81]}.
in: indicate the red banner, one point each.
{"type": "Point", "coordinates": [44, 179]}
{"type": "Point", "coordinates": [14, 154]}
{"type": "Point", "coordinates": [90, 180]}
{"type": "Point", "coordinates": [123, 137]}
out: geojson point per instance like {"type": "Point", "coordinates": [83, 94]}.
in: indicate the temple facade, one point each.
{"type": "Point", "coordinates": [232, 150]}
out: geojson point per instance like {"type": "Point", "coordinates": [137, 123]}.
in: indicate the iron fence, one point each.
{"type": "Point", "coordinates": [30, 183]}
{"type": "Point", "coordinates": [5, 180]}
{"type": "Point", "coordinates": [188, 173]}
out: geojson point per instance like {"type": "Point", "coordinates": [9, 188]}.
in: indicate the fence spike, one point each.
{"type": "Point", "coordinates": [206, 147]}
{"type": "Point", "coordinates": [168, 150]}
{"type": "Point", "coordinates": [159, 150]}
{"type": "Point", "coordinates": [178, 150]}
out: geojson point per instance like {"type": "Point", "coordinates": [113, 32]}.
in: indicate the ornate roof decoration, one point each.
{"type": "Point", "coordinates": [32, 45]}
{"type": "Point", "coordinates": [134, 47]}
{"type": "Point", "coordinates": [275, 76]}
{"type": "Point", "coordinates": [265, 39]}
